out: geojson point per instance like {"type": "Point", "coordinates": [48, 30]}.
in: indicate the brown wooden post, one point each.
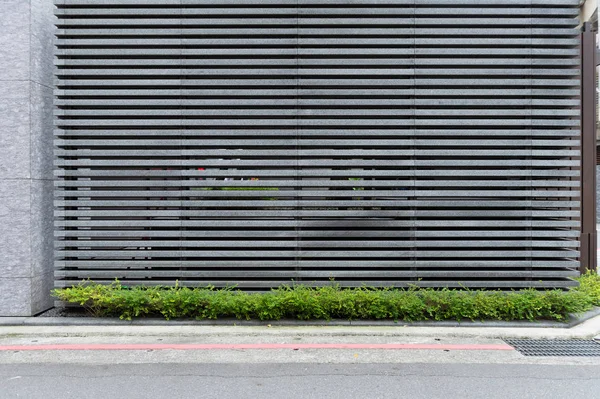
{"type": "Point", "coordinates": [588, 256]}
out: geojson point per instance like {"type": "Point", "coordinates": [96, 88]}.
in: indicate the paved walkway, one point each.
{"type": "Point", "coordinates": [136, 361]}
{"type": "Point", "coordinates": [278, 344]}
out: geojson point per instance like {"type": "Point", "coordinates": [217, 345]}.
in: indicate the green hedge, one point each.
{"type": "Point", "coordinates": [333, 302]}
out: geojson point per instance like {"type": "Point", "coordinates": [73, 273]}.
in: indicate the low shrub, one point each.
{"type": "Point", "coordinates": [333, 302]}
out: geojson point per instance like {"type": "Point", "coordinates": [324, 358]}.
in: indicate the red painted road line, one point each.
{"type": "Point", "coordinates": [111, 347]}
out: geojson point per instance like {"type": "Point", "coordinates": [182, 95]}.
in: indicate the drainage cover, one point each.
{"type": "Point", "coordinates": [555, 347]}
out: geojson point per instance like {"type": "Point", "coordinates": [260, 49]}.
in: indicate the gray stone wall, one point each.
{"type": "Point", "coordinates": [26, 48]}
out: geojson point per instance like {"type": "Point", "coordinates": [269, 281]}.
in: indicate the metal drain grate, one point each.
{"type": "Point", "coordinates": [559, 347]}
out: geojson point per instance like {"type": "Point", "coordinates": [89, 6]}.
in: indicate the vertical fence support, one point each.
{"type": "Point", "coordinates": [588, 150]}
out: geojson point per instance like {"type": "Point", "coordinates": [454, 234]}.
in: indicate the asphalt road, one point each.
{"type": "Point", "coordinates": [289, 381]}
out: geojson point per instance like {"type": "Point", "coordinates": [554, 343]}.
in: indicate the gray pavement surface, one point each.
{"type": "Point", "coordinates": [302, 380]}
{"type": "Point", "coordinates": [288, 373]}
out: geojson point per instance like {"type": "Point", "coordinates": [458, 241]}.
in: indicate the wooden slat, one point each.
{"type": "Point", "coordinates": [260, 142]}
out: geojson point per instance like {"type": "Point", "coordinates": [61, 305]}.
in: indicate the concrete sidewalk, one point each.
{"type": "Point", "coordinates": [276, 345]}
{"type": "Point", "coordinates": [137, 344]}
{"type": "Point", "coordinates": [586, 330]}
{"type": "Point", "coordinates": [582, 327]}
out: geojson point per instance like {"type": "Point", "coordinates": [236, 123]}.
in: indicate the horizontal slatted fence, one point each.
{"type": "Point", "coordinates": [388, 142]}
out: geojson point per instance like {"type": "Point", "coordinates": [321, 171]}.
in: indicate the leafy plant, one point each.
{"type": "Point", "coordinates": [356, 179]}
{"type": "Point", "coordinates": [333, 302]}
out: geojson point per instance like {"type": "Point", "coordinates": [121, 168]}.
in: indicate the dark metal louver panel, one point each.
{"type": "Point", "coordinates": [390, 142]}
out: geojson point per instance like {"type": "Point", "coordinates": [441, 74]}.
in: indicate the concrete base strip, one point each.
{"type": "Point", "coordinates": [586, 330]}
{"type": "Point", "coordinates": [105, 321]}
{"type": "Point", "coordinates": [104, 347]}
